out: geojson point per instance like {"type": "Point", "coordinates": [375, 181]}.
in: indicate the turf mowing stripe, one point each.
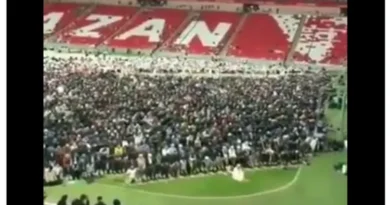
{"type": "Point", "coordinates": [284, 187]}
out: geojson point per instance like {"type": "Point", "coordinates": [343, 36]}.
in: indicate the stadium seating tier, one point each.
{"type": "Point", "coordinates": [323, 40]}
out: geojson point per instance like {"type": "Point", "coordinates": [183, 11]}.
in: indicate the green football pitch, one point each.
{"type": "Point", "coordinates": [316, 184]}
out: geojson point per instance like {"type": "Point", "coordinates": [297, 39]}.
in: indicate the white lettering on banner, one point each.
{"type": "Point", "coordinates": [152, 29]}
{"type": "Point", "coordinates": [50, 21]}
{"type": "Point", "coordinates": [101, 21]}
{"type": "Point", "coordinates": [207, 38]}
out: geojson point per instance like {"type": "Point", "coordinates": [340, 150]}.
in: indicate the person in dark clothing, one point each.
{"type": "Point", "coordinates": [84, 199]}
{"type": "Point", "coordinates": [165, 170]}
{"type": "Point", "coordinates": [231, 117]}
{"type": "Point", "coordinates": [100, 201]}
{"type": "Point", "coordinates": [116, 202]}
{"type": "Point", "coordinates": [63, 200]}
{"type": "Point", "coordinates": [77, 202]}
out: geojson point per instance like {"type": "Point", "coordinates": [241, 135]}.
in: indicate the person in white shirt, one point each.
{"type": "Point", "coordinates": [270, 152]}
{"type": "Point", "coordinates": [245, 146]}
{"type": "Point", "coordinates": [164, 151]}
{"type": "Point", "coordinates": [131, 174]}
{"type": "Point", "coordinates": [192, 163]}
{"type": "Point", "coordinates": [238, 174]}
{"type": "Point", "coordinates": [57, 169]}
{"type": "Point", "coordinates": [313, 144]}
{"type": "Point", "coordinates": [344, 169]}
{"type": "Point", "coordinates": [345, 144]}
{"type": "Point", "coordinates": [232, 154]}
{"type": "Point", "coordinates": [49, 175]}
{"type": "Point", "coordinates": [172, 149]}
{"type": "Point", "coordinates": [138, 139]}
{"type": "Point", "coordinates": [150, 159]}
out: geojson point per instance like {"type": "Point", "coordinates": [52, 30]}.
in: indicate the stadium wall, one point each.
{"type": "Point", "coordinates": [310, 9]}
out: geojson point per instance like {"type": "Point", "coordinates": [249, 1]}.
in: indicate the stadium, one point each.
{"type": "Point", "coordinates": [180, 92]}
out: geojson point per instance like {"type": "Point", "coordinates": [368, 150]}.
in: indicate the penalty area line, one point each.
{"type": "Point", "coordinates": [278, 189]}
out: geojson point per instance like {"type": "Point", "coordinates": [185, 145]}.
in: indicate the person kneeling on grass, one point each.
{"type": "Point", "coordinates": [341, 168]}
{"type": "Point", "coordinates": [238, 174]}
{"type": "Point", "coordinates": [131, 175]}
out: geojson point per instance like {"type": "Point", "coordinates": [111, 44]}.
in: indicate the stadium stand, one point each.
{"type": "Point", "coordinates": [154, 112]}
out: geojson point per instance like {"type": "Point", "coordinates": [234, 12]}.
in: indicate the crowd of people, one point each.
{"type": "Point", "coordinates": [84, 200]}
{"type": "Point", "coordinates": [105, 115]}
{"type": "Point", "coordinates": [163, 65]}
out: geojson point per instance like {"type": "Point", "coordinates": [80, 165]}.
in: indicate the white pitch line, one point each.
{"type": "Point", "coordinates": [202, 176]}
{"type": "Point", "coordinates": [281, 188]}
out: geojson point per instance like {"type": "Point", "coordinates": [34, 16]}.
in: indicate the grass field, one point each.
{"type": "Point", "coordinates": [316, 184]}
{"type": "Point", "coordinates": [334, 118]}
